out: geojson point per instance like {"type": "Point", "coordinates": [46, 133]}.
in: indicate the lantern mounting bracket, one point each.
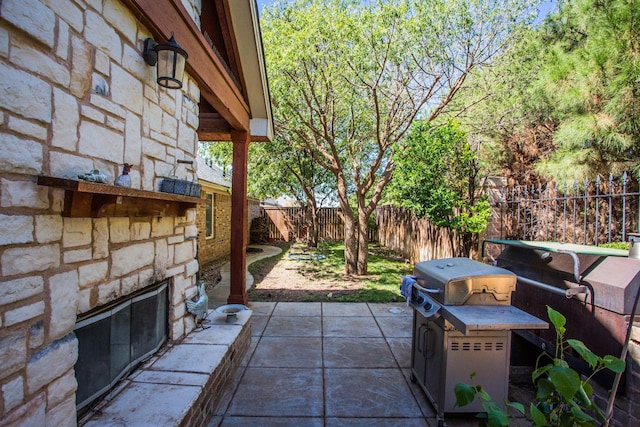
{"type": "Point", "coordinates": [149, 52]}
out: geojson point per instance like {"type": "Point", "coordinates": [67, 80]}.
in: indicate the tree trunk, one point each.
{"type": "Point", "coordinates": [453, 242]}
{"type": "Point", "coordinates": [349, 219]}
{"type": "Point", "coordinates": [363, 243]}
{"type": "Point", "coordinates": [350, 244]}
{"type": "Point", "coordinates": [468, 240]}
{"type": "Point", "coordinates": [312, 233]}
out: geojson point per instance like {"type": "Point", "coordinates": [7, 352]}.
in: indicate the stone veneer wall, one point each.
{"type": "Point", "coordinates": [194, 7]}
{"type": "Point", "coordinates": [76, 95]}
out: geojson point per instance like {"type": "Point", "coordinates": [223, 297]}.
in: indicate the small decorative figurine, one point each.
{"type": "Point", "coordinates": [124, 180]}
{"type": "Point", "coordinates": [200, 306]}
{"type": "Point", "coordinates": [94, 175]}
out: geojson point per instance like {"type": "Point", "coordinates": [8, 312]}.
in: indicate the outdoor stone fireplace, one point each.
{"type": "Point", "coordinates": [113, 340]}
{"type": "Point", "coordinates": [81, 266]}
{"type": "Point", "coordinates": [77, 96]}
{"type": "Point", "coordinates": [80, 97]}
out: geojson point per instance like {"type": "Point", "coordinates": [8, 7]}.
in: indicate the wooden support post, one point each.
{"type": "Point", "coordinates": [239, 215]}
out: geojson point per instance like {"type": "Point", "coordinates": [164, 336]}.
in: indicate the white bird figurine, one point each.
{"type": "Point", "coordinates": [124, 180]}
{"type": "Point", "coordinates": [200, 306]}
{"type": "Point", "coordinates": [94, 175]}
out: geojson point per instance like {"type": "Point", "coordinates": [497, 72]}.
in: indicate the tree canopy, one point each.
{"type": "Point", "coordinates": [348, 78]}
{"type": "Point", "coordinates": [566, 98]}
{"type": "Point", "coordinates": [592, 66]}
{"type": "Point", "coordinates": [437, 177]}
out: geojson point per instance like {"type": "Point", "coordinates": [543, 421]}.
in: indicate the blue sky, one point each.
{"type": "Point", "coordinates": [545, 7]}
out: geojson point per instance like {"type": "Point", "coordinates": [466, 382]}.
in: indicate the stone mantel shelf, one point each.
{"type": "Point", "coordinates": [85, 199]}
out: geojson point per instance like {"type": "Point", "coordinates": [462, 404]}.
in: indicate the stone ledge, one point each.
{"type": "Point", "coordinates": [178, 387]}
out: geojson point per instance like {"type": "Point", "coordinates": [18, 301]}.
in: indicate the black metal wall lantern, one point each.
{"type": "Point", "coordinates": [170, 58]}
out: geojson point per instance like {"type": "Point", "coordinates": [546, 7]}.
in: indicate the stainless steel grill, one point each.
{"type": "Point", "coordinates": [462, 324]}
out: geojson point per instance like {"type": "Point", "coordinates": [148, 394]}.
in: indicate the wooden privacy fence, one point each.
{"type": "Point", "coordinates": [589, 212]}
{"type": "Point", "coordinates": [290, 224]}
{"type": "Point", "coordinates": [414, 238]}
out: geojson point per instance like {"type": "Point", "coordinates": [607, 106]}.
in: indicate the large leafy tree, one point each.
{"type": "Point", "coordinates": [511, 117]}
{"type": "Point", "coordinates": [348, 78]}
{"type": "Point", "coordinates": [437, 177]}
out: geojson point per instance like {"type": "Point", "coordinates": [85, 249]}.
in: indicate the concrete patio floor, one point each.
{"type": "Point", "coordinates": [327, 364]}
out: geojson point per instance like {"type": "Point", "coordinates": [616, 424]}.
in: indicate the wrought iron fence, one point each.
{"type": "Point", "coordinates": [589, 212]}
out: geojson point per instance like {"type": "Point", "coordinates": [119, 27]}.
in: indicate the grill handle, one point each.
{"type": "Point", "coordinates": [426, 290]}
{"type": "Point", "coordinates": [568, 293]}
{"type": "Point", "coordinates": [430, 344]}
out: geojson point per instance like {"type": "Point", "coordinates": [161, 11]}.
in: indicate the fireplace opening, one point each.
{"type": "Point", "coordinates": [113, 340]}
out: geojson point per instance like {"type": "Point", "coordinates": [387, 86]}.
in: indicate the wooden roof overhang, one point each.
{"type": "Point", "coordinates": [227, 100]}
{"type": "Point", "coordinates": [236, 110]}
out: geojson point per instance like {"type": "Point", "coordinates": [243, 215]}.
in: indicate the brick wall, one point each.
{"type": "Point", "coordinates": [255, 211]}
{"type": "Point", "coordinates": [493, 188]}
{"type": "Point", "coordinates": [76, 95]}
{"type": "Point", "coordinates": [218, 246]}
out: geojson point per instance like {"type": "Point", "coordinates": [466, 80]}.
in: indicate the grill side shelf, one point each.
{"type": "Point", "coordinates": [468, 318]}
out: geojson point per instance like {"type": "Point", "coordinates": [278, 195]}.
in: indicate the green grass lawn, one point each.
{"type": "Point", "coordinates": [381, 284]}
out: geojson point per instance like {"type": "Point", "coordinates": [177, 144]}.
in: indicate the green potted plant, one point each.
{"type": "Point", "coordinates": [563, 398]}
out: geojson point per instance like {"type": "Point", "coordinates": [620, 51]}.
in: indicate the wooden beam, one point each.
{"type": "Point", "coordinates": [218, 136]}
{"type": "Point", "coordinates": [239, 218]}
{"type": "Point", "coordinates": [163, 17]}
{"type": "Point", "coordinates": [213, 127]}
{"type": "Point", "coordinates": [233, 52]}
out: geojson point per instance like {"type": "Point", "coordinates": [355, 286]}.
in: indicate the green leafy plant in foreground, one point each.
{"type": "Point", "coordinates": [562, 397]}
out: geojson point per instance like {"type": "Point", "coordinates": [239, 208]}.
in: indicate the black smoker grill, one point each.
{"type": "Point", "coordinates": [462, 324]}
{"type": "Point", "coordinates": [593, 287]}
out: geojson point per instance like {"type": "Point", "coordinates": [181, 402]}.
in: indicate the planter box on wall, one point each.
{"type": "Point", "coordinates": [180, 186]}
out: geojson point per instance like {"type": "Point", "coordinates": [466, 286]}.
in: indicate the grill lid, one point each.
{"type": "Point", "coordinates": [465, 281]}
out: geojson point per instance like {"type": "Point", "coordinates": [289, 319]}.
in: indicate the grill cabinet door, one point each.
{"type": "Point", "coordinates": [434, 370]}
{"type": "Point", "coordinates": [487, 354]}
{"type": "Point", "coordinates": [418, 359]}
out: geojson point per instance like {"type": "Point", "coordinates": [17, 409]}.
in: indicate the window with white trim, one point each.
{"type": "Point", "coordinates": [210, 218]}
